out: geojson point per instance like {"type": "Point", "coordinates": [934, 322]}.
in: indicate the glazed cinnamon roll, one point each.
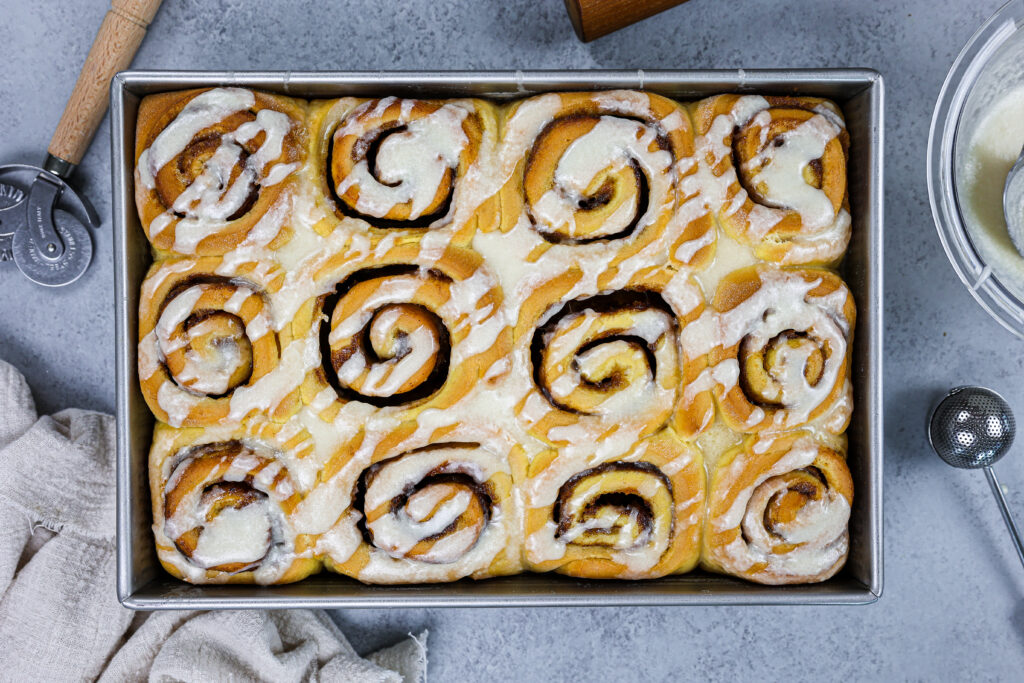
{"type": "Point", "coordinates": [206, 341]}
{"type": "Point", "coordinates": [222, 502]}
{"type": "Point", "coordinates": [217, 167]}
{"type": "Point", "coordinates": [783, 354]}
{"type": "Point", "coordinates": [629, 517]}
{"type": "Point", "coordinates": [404, 330]}
{"type": "Point", "coordinates": [597, 176]}
{"type": "Point", "coordinates": [406, 164]}
{"type": "Point", "coordinates": [779, 171]}
{"type": "Point", "coordinates": [422, 505]}
{"type": "Point", "coordinates": [609, 366]}
{"type": "Point", "coordinates": [778, 508]}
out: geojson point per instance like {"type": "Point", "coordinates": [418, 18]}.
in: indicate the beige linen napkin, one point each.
{"type": "Point", "coordinates": [59, 615]}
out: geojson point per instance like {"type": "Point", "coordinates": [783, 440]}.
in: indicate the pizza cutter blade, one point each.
{"type": "Point", "coordinates": [39, 265]}
{"type": "Point", "coordinates": [43, 225]}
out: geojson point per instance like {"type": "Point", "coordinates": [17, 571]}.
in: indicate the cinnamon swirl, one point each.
{"type": "Point", "coordinates": [222, 505]}
{"type": "Point", "coordinates": [778, 508]}
{"type": "Point", "coordinates": [213, 167]}
{"type": "Point", "coordinates": [414, 505]}
{"type": "Point", "coordinates": [406, 165]}
{"type": "Point", "coordinates": [599, 176]}
{"type": "Point", "coordinates": [783, 354]}
{"type": "Point", "coordinates": [609, 366]}
{"type": "Point", "coordinates": [209, 345]}
{"type": "Point", "coordinates": [777, 174]}
{"type": "Point", "coordinates": [629, 517]}
{"type": "Point", "coordinates": [404, 330]}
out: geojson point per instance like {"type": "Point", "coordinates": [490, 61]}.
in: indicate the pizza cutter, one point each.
{"type": "Point", "coordinates": [42, 218]}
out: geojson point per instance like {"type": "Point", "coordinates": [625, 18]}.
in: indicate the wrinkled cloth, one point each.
{"type": "Point", "coordinates": [59, 614]}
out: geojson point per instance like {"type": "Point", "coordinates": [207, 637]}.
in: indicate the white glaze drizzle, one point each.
{"type": "Point", "coordinates": [212, 197]}
{"type": "Point", "coordinates": [258, 533]}
{"type": "Point", "coordinates": [411, 164]}
{"type": "Point", "coordinates": [636, 550]}
{"type": "Point", "coordinates": [202, 375]}
{"type": "Point", "coordinates": [608, 148]}
{"type": "Point", "coordinates": [476, 452]}
{"type": "Point", "coordinates": [778, 170]}
{"type": "Point", "coordinates": [781, 303]}
{"type": "Point", "coordinates": [818, 530]}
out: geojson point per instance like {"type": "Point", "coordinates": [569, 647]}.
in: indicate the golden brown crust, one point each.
{"type": "Point", "coordinates": [436, 507]}
{"type": "Point", "coordinates": [777, 230]}
{"type": "Point", "coordinates": [156, 203]}
{"type": "Point", "coordinates": [355, 321]}
{"type": "Point", "coordinates": [612, 346]}
{"type": "Point", "coordinates": [765, 395]}
{"type": "Point", "coordinates": [189, 479]}
{"type": "Point", "coordinates": [192, 319]}
{"type": "Point", "coordinates": [632, 517]}
{"type": "Point", "coordinates": [644, 194]}
{"type": "Point", "coordinates": [765, 498]}
{"type": "Point", "coordinates": [349, 133]}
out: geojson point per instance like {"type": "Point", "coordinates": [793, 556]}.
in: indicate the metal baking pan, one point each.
{"type": "Point", "coordinates": [142, 583]}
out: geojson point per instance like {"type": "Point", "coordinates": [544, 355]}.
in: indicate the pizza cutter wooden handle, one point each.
{"type": "Point", "coordinates": [115, 45]}
{"type": "Point", "coordinates": [595, 18]}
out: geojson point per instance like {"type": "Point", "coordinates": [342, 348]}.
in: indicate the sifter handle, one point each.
{"type": "Point", "coordinates": [115, 45]}
{"type": "Point", "coordinates": [1011, 526]}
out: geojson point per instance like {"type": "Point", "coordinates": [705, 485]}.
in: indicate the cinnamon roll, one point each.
{"type": "Point", "coordinates": [216, 167]}
{"type": "Point", "coordinates": [408, 165]}
{"type": "Point", "coordinates": [778, 508]}
{"type": "Point", "coordinates": [598, 176]}
{"type": "Point", "coordinates": [404, 330]}
{"type": "Point", "coordinates": [777, 174]}
{"type": "Point", "coordinates": [783, 354]}
{"type": "Point", "coordinates": [608, 366]}
{"type": "Point", "coordinates": [415, 505]}
{"type": "Point", "coordinates": [208, 343]}
{"type": "Point", "coordinates": [222, 501]}
{"type": "Point", "coordinates": [629, 517]}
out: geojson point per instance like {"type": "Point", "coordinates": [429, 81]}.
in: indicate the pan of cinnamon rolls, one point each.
{"type": "Point", "coordinates": [603, 333]}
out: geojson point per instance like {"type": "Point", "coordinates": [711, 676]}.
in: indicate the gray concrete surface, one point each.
{"type": "Point", "coordinates": [953, 606]}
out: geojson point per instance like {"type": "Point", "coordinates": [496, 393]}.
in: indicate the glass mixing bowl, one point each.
{"type": "Point", "coordinates": [989, 66]}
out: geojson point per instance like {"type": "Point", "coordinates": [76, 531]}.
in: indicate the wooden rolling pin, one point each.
{"type": "Point", "coordinates": [596, 18]}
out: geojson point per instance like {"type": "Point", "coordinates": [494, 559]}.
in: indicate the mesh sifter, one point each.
{"type": "Point", "coordinates": [972, 428]}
